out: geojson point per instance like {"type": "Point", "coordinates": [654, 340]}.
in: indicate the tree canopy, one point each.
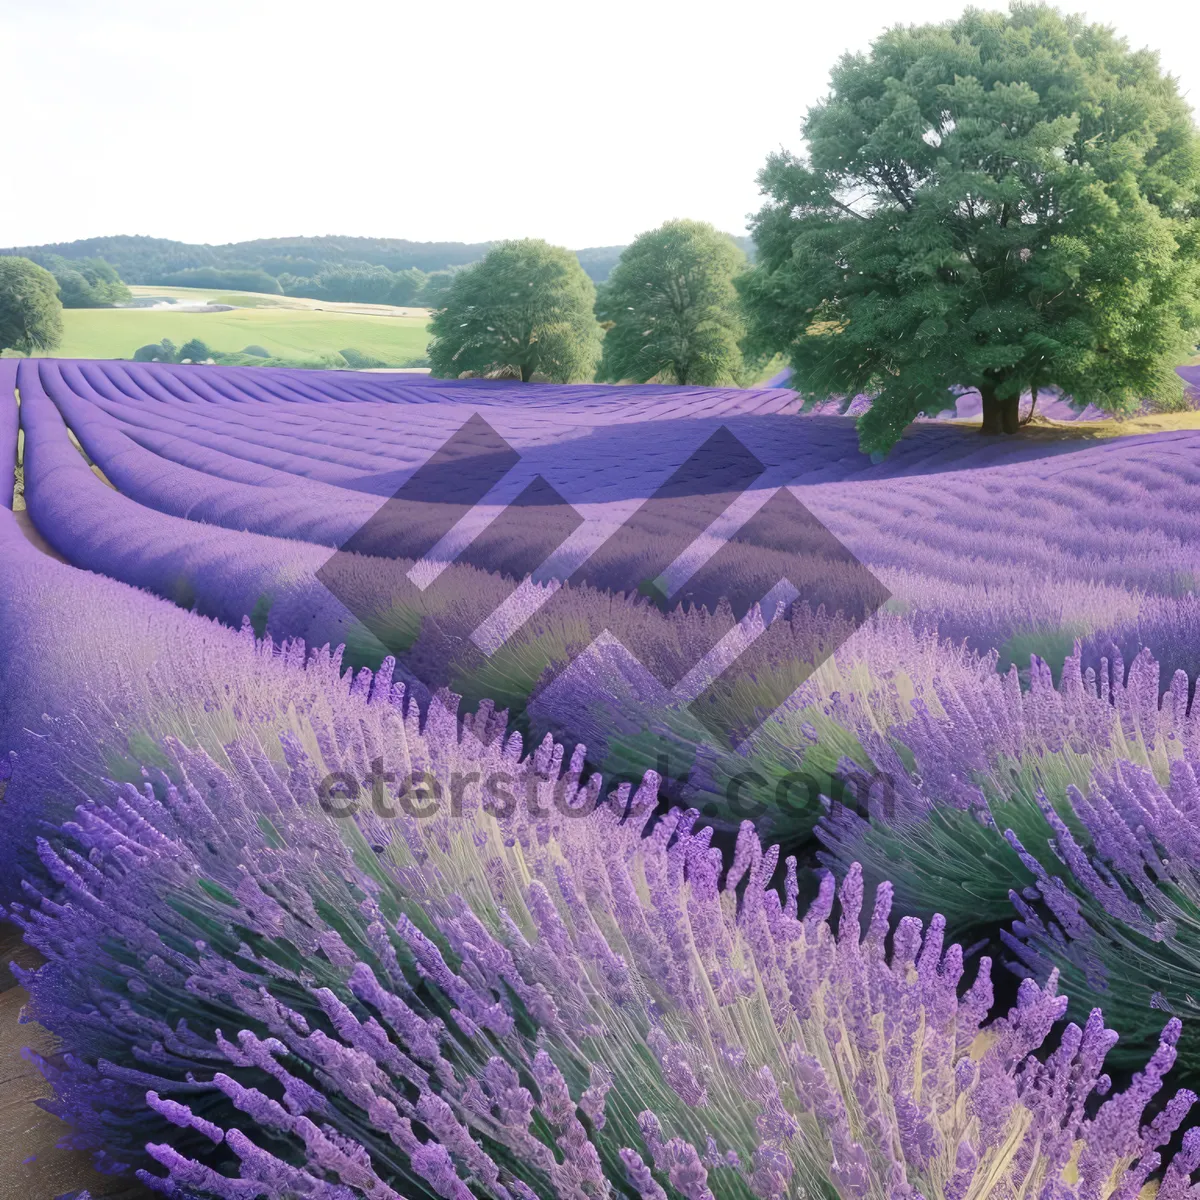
{"type": "Point", "coordinates": [195, 351]}
{"type": "Point", "coordinates": [674, 311]}
{"type": "Point", "coordinates": [156, 261]}
{"type": "Point", "coordinates": [360, 283]}
{"type": "Point", "coordinates": [1004, 202]}
{"type": "Point", "coordinates": [86, 282]}
{"type": "Point", "coordinates": [235, 279]}
{"type": "Point", "coordinates": [30, 310]}
{"type": "Point", "coordinates": [525, 309]}
{"type": "Point", "coordinates": [164, 351]}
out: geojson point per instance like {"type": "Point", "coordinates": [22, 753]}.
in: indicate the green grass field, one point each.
{"type": "Point", "coordinates": [286, 332]}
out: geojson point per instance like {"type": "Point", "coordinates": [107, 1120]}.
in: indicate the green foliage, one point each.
{"type": "Point", "coordinates": [673, 307]}
{"type": "Point", "coordinates": [242, 280]}
{"type": "Point", "coordinates": [194, 351]}
{"type": "Point", "coordinates": [163, 351]}
{"type": "Point", "coordinates": [146, 260]}
{"type": "Point", "coordinates": [360, 361]}
{"type": "Point", "coordinates": [1001, 202]}
{"type": "Point", "coordinates": [86, 283]}
{"type": "Point", "coordinates": [293, 261]}
{"type": "Point", "coordinates": [599, 261]}
{"type": "Point", "coordinates": [525, 310]}
{"type": "Point", "coordinates": [406, 287]}
{"type": "Point", "coordinates": [436, 289]}
{"type": "Point", "coordinates": [290, 264]}
{"type": "Point", "coordinates": [359, 283]}
{"type": "Point", "coordinates": [30, 311]}
{"type": "Point", "coordinates": [197, 352]}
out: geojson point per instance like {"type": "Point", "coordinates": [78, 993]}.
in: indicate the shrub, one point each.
{"type": "Point", "coordinates": [359, 361]}
{"type": "Point", "coordinates": [163, 351]}
{"type": "Point", "coordinates": [195, 350]}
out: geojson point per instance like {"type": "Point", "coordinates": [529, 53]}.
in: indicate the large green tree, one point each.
{"type": "Point", "coordinates": [1000, 203]}
{"type": "Point", "coordinates": [86, 282]}
{"type": "Point", "coordinates": [525, 308]}
{"type": "Point", "coordinates": [673, 308]}
{"type": "Point", "coordinates": [30, 311]}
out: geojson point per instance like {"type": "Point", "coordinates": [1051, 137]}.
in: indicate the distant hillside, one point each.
{"type": "Point", "coordinates": [147, 260]}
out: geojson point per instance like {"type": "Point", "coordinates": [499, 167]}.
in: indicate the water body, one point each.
{"type": "Point", "coordinates": [167, 303]}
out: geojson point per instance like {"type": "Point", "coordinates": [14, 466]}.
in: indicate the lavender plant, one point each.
{"type": "Point", "coordinates": [1117, 910]}
{"type": "Point", "coordinates": [260, 453]}
{"type": "Point", "coordinates": [1012, 548]}
{"type": "Point", "coordinates": [8, 430]}
{"type": "Point", "coordinates": [1002, 789]}
{"type": "Point", "coordinates": [532, 990]}
{"type": "Point", "coordinates": [256, 1002]}
{"type": "Point", "coordinates": [988, 757]}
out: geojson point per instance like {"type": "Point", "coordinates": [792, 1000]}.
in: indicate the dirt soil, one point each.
{"type": "Point", "coordinates": [31, 1165]}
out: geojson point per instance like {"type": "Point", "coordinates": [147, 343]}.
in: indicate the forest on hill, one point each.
{"type": "Point", "coordinates": [159, 261]}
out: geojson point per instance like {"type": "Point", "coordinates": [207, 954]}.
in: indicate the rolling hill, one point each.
{"type": "Point", "coordinates": [149, 260]}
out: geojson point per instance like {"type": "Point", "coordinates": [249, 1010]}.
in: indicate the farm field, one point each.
{"type": "Point", "coordinates": [287, 328]}
{"type": "Point", "coordinates": [418, 764]}
{"type": "Point", "coordinates": [189, 296]}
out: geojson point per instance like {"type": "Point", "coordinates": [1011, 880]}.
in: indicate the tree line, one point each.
{"type": "Point", "coordinates": [354, 282]}
{"type": "Point", "coordinates": [196, 351]}
{"type": "Point", "coordinates": [669, 312]}
{"type": "Point", "coordinates": [287, 265]}
{"type": "Point", "coordinates": [150, 261]}
{"type": "Point", "coordinates": [1004, 203]}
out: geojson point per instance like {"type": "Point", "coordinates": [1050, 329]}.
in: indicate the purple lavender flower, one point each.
{"type": "Point", "coordinates": [344, 1049]}
{"type": "Point", "coordinates": [257, 997]}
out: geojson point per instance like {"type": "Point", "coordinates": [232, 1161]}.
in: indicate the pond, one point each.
{"type": "Point", "coordinates": [164, 303]}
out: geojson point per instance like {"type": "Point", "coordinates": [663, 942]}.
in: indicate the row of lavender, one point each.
{"type": "Point", "coordinates": [1099, 544]}
{"type": "Point", "coordinates": [1116, 524]}
{"type": "Point", "coordinates": [1017, 548]}
{"type": "Point", "coordinates": [1046, 545]}
{"type": "Point", "coordinates": [261, 1000]}
{"type": "Point", "coordinates": [965, 753]}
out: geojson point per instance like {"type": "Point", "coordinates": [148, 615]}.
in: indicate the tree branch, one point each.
{"type": "Point", "coordinates": [847, 208]}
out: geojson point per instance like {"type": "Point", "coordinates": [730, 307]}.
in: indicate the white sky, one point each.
{"type": "Point", "coordinates": [463, 120]}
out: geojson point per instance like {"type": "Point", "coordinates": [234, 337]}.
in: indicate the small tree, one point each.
{"type": "Point", "coordinates": [435, 289]}
{"type": "Point", "coordinates": [527, 308]}
{"type": "Point", "coordinates": [86, 283]}
{"type": "Point", "coordinates": [30, 311]}
{"type": "Point", "coordinates": [195, 351]}
{"type": "Point", "coordinates": [673, 308]}
{"type": "Point", "coordinates": [164, 351]}
{"type": "Point", "coordinates": [1001, 203]}
{"type": "Point", "coordinates": [406, 286]}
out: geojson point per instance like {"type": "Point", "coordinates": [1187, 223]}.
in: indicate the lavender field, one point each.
{"type": "Point", "coordinates": [422, 788]}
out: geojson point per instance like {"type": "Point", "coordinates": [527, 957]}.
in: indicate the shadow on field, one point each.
{"type": "Point", "coordinates": [617, 462]}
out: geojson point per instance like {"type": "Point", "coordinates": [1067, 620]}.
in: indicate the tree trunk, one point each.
{"type": "Point", "coordinates": [1033, 395]}
{"type": "Point", "coordinates": [991, 410]}
{"type": "Point", "coordinates": [1010, 414]}
{"type": "Point", "coordinates": [999, 416]}
{"type": "Point", "coordinates": [526, 373]}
